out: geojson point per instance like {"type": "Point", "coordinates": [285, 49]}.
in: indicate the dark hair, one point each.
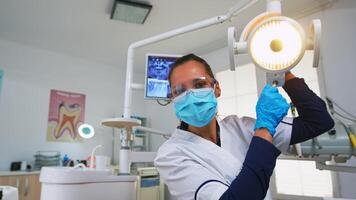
{"type": "Point", "coordinates": [181, 61]}
{"type": "Point", "coordinates": [187, 58]}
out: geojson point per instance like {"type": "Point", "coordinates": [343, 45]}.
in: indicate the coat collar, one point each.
{"type": "Point", "coordinates": [211, 156]}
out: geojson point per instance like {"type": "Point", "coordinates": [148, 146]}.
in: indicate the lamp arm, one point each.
{"type": "Point", "coordinates": [239, 7]}
{"type": "Point", "coordinates": [273, 9]}
{"type": "Point", "coordinates": [334, 167]}
{"type": "Point", "coordinates": [150, 130]}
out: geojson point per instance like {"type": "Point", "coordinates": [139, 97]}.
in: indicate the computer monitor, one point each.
{"type": "Point", "coordinates": [157, 69]}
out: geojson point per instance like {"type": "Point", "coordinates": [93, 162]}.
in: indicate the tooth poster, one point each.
{"type": "Point", "coordinates": [66, 114]}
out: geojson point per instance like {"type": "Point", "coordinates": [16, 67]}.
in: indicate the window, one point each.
{"type": "Point", "coordinates": [301, 178]}
{"type": "Point", "coordinates": [238, 91]}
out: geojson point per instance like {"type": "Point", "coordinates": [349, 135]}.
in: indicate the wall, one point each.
{"type": "Point", "coordinates": [337, 66]}
{"type": "Point", "coordinates": [30, 74]}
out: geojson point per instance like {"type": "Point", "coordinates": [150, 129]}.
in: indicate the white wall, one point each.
{"type": "Point", "coordinates": [337, 61]}
{"type": "Point", "coordinates": [30, 74]}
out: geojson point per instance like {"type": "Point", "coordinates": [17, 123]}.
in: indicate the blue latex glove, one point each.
{"type": "Point", "coordinates": [270, 109]}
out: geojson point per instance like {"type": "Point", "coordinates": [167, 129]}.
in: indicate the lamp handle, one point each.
{"type": "Point", "coordinates": [275, 79]}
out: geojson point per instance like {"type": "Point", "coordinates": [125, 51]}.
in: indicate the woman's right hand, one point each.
{"type": "Point", "coordinates": [270, 109]}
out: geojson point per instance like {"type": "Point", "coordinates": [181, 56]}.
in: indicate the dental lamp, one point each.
{"type": "Point", "coordinates": [275, 43]}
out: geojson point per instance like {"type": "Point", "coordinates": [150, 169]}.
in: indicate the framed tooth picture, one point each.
{"type": "Point", "coordinates": [66, 114]}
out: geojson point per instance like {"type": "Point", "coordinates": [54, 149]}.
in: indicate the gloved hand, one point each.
{"type": "Point", "coordinates": [270, 109]}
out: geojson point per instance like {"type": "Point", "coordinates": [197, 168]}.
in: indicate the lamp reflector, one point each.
{"type": "Point", "coordinates": [277, 44]}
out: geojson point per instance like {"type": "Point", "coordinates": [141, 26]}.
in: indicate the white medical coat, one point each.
{"type": "Point", "coordinates": [186, 160]}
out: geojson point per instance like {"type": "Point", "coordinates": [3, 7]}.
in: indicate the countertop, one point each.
{"type": "Point", "coordinates": [18, 173]}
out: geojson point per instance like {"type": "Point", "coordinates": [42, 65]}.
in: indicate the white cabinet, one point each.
{"type": "Point", "coordinates": [149, 186]}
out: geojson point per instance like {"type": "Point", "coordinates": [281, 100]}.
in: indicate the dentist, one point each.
{"type": "Point", "coordinates": [233, 158]}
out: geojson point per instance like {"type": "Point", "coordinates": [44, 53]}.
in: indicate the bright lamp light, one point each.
{"type": "Point", "coordinates": [86, 131]}
{"type": "Point", "coordinates": [277, 44]}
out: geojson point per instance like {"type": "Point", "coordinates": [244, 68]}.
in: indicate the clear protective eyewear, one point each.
{"type": "Point", "coordinates": [196, 83]}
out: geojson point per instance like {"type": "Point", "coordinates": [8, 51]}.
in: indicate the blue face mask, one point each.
{"type": "Point", "coordinates": [196, 107]}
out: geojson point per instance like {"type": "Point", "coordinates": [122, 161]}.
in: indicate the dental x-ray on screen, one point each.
{"type": "Point", "coordinates": [157, 70]}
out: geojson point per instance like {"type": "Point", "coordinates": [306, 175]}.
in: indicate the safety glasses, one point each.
{"type": "Point", "coordinates": [197, 83]}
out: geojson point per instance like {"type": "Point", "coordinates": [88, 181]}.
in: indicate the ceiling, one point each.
{"type": "Point", "coordinates": [82, 28]}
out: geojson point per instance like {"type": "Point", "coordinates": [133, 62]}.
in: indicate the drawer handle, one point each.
{"type": "Point", "coordinates": [27, 187]}
{"type": "Point", "coordinates": [17, 183]}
